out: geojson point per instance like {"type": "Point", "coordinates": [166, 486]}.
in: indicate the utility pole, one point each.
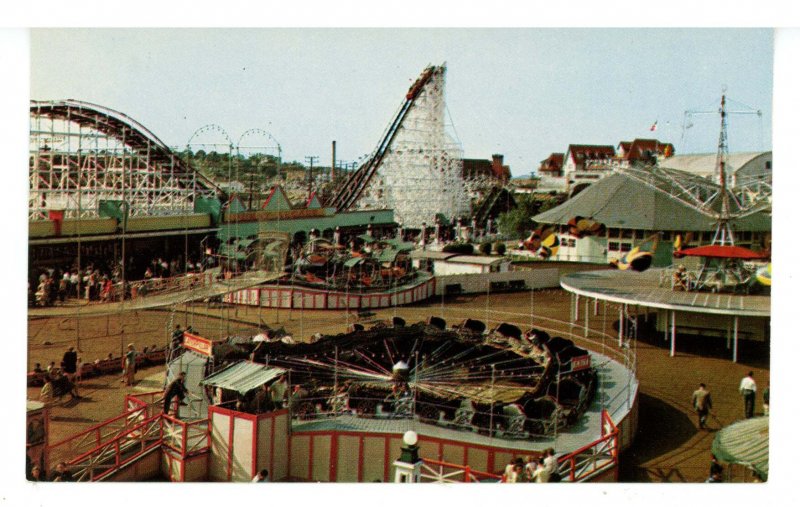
{"type": "Point", "coordinates": [342, 166]}
{"type": "Point", "coordinates": [333, 160]}
{"type": "Point", "coordinates": [310, 159]}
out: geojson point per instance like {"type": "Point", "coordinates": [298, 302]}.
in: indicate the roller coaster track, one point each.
{"type": "Point", "coordinates": [83, 153]}
{"type": "Point", "coordinates": [357, 182]}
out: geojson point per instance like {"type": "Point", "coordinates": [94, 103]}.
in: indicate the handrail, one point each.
{"type": "Point", "coordinates": [186, 435]}
{"type": "Point", "coordinates": [100, 455]}
{"type": "Point", "coordinates": [138, 425]}
{"type": "Point", "coordinates": [125, 415]}
{"type": "Point", "coordinates": [510, 427]}
{"type": "Point", "coordinates": [605, 451]}
{"type": "Point", "coordinates": [470, 474]}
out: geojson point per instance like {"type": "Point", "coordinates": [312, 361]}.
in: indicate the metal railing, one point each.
{"type": "Point", "coordinates": [593, 458]}
{"type": "Point", "coordinates": [504, 423]}
{"type": "Point", "coordinates": [127, 447]}
{"type": "Point", "coordinates": [96, 436]}
{"type": "Point", "coordinates": [441, 472]}
{"type": "Point", "coordinates": [179, 283]}
{"type": "Point", "coordinates": [185, 438]}
{"type": "Point", "coordinates": [96, 453]}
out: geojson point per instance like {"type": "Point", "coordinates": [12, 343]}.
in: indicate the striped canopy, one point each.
{"type": "Point", "coordinates": [244, 376]}
{"type": "Point", "coordinates": [745, 443]}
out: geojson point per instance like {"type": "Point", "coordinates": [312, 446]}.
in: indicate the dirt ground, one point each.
{"type": "Point", "coordinates": [668, 446]}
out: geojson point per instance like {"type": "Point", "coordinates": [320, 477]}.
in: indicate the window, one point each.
{"type": "Point", "coordinates": [627, 233]}
{"type": "Point", "coordinates": [625, 247]}
{"type": "Point", "coordinates": [563, 241]}
{"type": "Point", "coordinates": [613, 246]}
{"type": "Point", "coordinates": [572, 242]}
{"type": "Point", "coordinates": [613, 233]}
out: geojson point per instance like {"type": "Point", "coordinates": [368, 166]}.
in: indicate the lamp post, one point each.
{"type": "Point", "coordinates": [408, 467]}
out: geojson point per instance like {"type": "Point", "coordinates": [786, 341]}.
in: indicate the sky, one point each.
{"type": "Point", "coordinates": [523, 93]}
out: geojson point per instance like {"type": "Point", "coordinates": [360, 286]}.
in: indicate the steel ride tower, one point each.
{"type": "Point", "coordinates": [416, 169]}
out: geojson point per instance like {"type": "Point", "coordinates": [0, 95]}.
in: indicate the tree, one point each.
{"type": "Point", "coordinates": [485, 248]}
{"type": "Point", "coordinates": [500, 248]}
{"type": "Point", "coordinates": [460, 248]}
{"type": "Point", "coordinates": [516, 223]}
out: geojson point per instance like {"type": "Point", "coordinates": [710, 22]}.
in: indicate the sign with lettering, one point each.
{"type": "Point", "coordinates": [581, 362]}
{"type": "Point", "coordinates": [197, 343]}
{"type": "Point", "coordinates": [254, 216]}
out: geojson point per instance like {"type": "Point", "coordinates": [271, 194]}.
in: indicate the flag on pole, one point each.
{"type": "Point", "coordinates": [654, 126]}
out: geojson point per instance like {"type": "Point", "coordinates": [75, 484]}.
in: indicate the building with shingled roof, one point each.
{"type": "Point", "coordinates": [632, 212]}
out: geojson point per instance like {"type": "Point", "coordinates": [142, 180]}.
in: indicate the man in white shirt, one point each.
{"type": "Point", "coordinates": [541, 474]}
{"type": "Point", "coordinates": [550, 462]}
{"type": "Point", "coordinates": [747, 388]}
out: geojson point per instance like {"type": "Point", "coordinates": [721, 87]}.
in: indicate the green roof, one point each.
{"type": "Point", "coordinates": [403, 246]}
{"type": "Point", "coordinates": [243, 377]}
{"type": "Point", "coordinates": [353, 261]}
{"type": "Point", "coordinates": [745, 443]}
{"type": "Point", "coordinates": [388, 255]}
{"type": "Point", "coordinates": [621, 201]}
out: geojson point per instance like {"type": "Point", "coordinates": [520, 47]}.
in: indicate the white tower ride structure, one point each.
{"type": "Point", "coordinates": [417, 167]}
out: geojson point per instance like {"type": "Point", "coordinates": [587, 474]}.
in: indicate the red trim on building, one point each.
{"type": "Point", "coordinates": [334, 458]}
{"type": "Point", "coordinates": [311, 457]}
{"type": "Point", "coordinates": [386, 458]}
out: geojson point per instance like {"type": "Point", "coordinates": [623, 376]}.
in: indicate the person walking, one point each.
{"type": "Point", "coordinates": [129, 366]}
{"type": "Point", "coordinates": [747, 388]}
{"type": "Point", "coordinates": [176, 389]}
{"type": "Point", "coordinates": [701, 401]}
{"type": "Point", "coordinates": [766, 399]}
{"type": "Point", "coordinates": [69, 363]}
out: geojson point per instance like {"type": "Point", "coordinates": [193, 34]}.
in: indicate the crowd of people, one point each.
{"type": "Point", "coordinates": [60, 474]}
{"type": "Point", "coordinates": [541, 469]}
{"type": "Point", "coordinates": [61, 381]}
{"type": "Point", "coordinates": [99, 281]}
{"type": "Point", "coordinates": [64, 378]}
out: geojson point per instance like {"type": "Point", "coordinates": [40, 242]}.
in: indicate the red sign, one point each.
{"type": "Point", "coordinates": [581, 362]}
{"type": "Point", "coordinates": [197, 344]}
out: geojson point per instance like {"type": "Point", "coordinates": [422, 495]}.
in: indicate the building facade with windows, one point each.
{"type": "Point", "coordinates": [636, 213]}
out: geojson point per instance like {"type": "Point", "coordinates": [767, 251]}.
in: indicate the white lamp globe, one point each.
{"type": "Point", "coordinates": [410, 438]}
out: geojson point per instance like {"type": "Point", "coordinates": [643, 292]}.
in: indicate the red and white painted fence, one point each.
{"type": "Point", "coordinates": [281, 296]}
